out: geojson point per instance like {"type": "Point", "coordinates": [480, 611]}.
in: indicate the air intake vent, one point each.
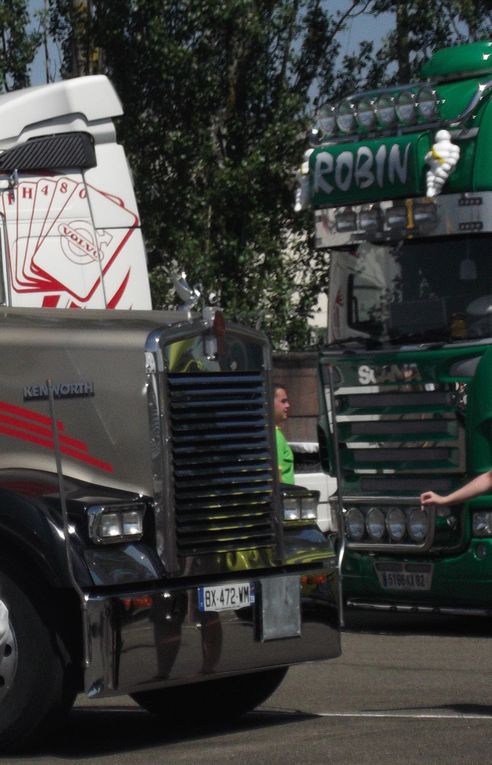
{"type": "Point", "coordinates": [54, 152]}
{"type": "Point", "coordinates": [221, 462]}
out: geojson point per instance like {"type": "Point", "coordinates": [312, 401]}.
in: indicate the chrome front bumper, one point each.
{"type": "Point", "coordinates": [152, 639]}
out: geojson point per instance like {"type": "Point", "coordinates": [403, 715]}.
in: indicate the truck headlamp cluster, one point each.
{"type": "Point", "coordinates": [388, 524]}
{"type": "Point", "coordinates": [109, 524]}
{"type": "Point", "coordinates": [482, 523]}
{"type": "Point", "coordinates": [366, 113]}
{"type": "Point", "coordinates": [301, 506]}
{"type": "Point", "coordinates": [383, 221]}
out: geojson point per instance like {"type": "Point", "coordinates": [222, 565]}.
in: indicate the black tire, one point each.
{"type": "Point", "coordinates": [212, 701]}
{"type": "Point", "coordinates": [34, 693]}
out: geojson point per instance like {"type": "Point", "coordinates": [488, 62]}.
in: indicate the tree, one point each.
{"type": "Point", "coordinates": [419, 29]}
{"type": "Point", "coordinates": [215, 95]}
{"type": "Point", "coordinates": [17, 45]}
{"type": "Point", "coordinates": [72, 26]}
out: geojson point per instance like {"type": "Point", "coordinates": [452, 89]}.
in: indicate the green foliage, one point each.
{"type": "Point", "coordinates": [17, 45]}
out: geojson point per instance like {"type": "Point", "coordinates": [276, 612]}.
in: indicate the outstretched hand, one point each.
{"type": "Point", "coordinates": [431, 498]}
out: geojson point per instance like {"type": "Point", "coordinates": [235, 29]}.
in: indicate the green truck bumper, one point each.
{"type": "Point", "coordinates": [461, 583]}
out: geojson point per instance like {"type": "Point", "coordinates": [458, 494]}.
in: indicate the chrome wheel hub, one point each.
{"type": "Point", "coordinates": [8, 652]}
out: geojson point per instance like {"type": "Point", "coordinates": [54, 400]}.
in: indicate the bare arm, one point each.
{"type": "Point", "coordinates": [479, 485]}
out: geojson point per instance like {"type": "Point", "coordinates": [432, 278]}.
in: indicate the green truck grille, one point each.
{"type": "Point", "coordinates": [222, 467]}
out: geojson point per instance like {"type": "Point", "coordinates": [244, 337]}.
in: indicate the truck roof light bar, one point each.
{"type": "Point", "coordinates": [376, 112]}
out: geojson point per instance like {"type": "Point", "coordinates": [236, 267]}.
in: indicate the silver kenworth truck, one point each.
{"type": "Point", "coordinates": [146, 545]}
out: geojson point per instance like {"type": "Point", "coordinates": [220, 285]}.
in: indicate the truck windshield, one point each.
{"type": "Point", "coordinates": [420, 290]}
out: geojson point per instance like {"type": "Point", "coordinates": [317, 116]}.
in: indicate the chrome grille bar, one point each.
{"type": "Point", "coordinates": [405, 429]}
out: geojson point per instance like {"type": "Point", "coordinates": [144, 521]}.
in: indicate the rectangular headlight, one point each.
{"type": "Point", "coordinates": [292, 509]}
{"type": "Point", "coordinates": [116, 523]}
{"type": "Point", "coordinates": [132, 523]}
{"type": "Point", "coordinates": [309, 509]}
{"type": "Point", "coordinates": [109, 525]}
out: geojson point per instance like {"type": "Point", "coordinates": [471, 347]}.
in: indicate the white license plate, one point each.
{"type": "Point", "coordinates": [405, 580]}
{"type": "Point", "coordinates": [226, 597]}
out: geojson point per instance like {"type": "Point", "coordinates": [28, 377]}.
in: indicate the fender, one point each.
{"type": "Point", "coordinates": [30, 532]}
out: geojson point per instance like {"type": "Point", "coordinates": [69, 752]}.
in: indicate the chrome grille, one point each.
{"type": "Point", "coordinates": [221, 462]}
{"type": "Point", "coordinates": [399, 429]}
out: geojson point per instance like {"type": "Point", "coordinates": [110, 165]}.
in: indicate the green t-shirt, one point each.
{"type": "Point", "coordinates": [285, 457]}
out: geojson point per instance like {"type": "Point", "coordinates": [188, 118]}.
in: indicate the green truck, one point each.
{"type": "Point", "coordinates": [400, 182]}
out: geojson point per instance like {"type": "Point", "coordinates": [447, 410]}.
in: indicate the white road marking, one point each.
{"type": "Point", "coordinates": [409, 715]}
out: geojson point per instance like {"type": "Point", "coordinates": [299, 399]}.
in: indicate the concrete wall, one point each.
{"type": "Point", "coordinates": [299, 373]}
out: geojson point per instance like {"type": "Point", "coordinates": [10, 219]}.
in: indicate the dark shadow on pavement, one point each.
{"type": "Point", "coordinates": [93, 732]}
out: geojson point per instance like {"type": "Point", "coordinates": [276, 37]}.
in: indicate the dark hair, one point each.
{"type": "Point", "coordinates": [279, 386]}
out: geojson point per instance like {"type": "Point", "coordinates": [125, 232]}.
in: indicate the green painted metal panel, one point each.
{"type": "Point", "coordinates": [460, 60]}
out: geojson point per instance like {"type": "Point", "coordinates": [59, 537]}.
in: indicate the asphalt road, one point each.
{"type": "Point", "coordinates": [407, 689]}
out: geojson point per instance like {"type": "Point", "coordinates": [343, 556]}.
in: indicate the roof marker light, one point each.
{"type": "Point", "coordinates": [385, 110]}
{"type": "Point", "coordinates": [365, 114]}
{"type": "Point", "coordinates": [345, 116]}
{"type": "Point", "coordinates": [326, 122]}
{"type": "Point", "coordinates": [427, 103]}
{"type": "Point", "coordinates": [405, 107]}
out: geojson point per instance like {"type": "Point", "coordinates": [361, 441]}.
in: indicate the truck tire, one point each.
{"type": "Point", "coordinates": [34, 692]}
{"type": "Point", "coordinates": [212, 701]}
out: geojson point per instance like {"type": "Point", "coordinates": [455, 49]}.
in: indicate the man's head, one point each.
{"type": "Point", "coordinates": [281, 404]}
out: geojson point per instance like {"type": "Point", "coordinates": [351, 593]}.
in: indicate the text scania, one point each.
{"type": "Point", "coordinates": [388, 373]}
{"type": "Point", "coordinates": [361, 169]}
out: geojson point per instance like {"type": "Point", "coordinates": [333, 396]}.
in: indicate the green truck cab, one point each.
{"type": "Point", "coordinates": [400, 182]}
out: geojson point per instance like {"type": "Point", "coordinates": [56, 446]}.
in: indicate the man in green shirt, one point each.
{"type": "Point", "coordinates": [285, 457]}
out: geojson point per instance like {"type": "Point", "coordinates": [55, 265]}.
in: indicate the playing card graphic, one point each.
{"type": "Point", "coordinates": [53, 245]}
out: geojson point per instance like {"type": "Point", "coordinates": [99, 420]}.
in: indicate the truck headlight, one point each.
{"type": "Point", "coordinates": [418, 525]}
{"type": "Point", "coordinates": [300, 505]}
{"type": "Point", "coordinates": [375, 524]}
{"type": "Point", "coordinates": [116, 523]}
{"type": "Point", "coordinates": [482, 523]}
{"type": "Point", "coordinates": [396, 523]}
{"type": "Point", "coordinates": [292, 509]}
{"type": "Point", "coordinates": [355, 524]}
{"type": "Point", "coordinates": [309, 506]}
